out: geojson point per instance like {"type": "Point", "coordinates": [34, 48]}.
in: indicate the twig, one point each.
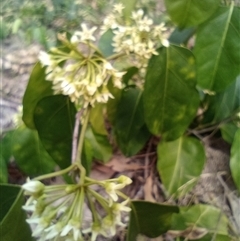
{"type": "Point", "coordinates": [75, 136]}
{"type": "Point", "coordinates": [146, 173]}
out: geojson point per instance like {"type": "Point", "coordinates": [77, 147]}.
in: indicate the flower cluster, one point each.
{"type": "Point", "coordinates": [84, 77]}
{"type": "Point", "coordinates": [141, 38]}
{"type": "Point", "coordinates": [56, 211]}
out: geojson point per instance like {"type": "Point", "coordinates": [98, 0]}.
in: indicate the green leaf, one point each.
{"type": "Point", "coordinates": [97, 119]}
{"type": "Point", "coordinates": [217, 49]}
{"type": "Point", "coordinates": [129, 127]}
{"type": "Point", "coordinates": [170, 98]}
{"type": "Point", "coordinates": [54, 118]}
{"type": "Point", "coordinates": [228, 131]}
{"type": "Point", "coordinates": [186, 13]}
{"type": "Point", "coordinates": [29, 153]}
{"type": "Point", "coordinates": [37, 89]}
{"type": "Point", "coordinates": [180, 164]}
{"type": "Point", "coordinates": [105, 43]}
{"type": "Point", "coordinates": [112, 104]}
{"type": "Point", "coordinates": [102, 150]}
{"type": "Point", "coordinates": [130, 73]}
{"type": "Point", "coordinates": [12, 217]}
{"type": "Point", "coordinates": [235, 159]}
{"type": "Point", "coordinates": [181, 36]}
{"type": "Point", "coordinates": [223, 104]}
{"type": "Point", "coordinates": [207, 220]}
{"type": "Point", "coordinates": [6, 145]}
{"type": "Point", "coordinates": [3, 170]}
{"type": "Point", "coordinates": [150, 219]}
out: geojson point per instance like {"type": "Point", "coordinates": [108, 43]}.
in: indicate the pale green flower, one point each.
{"type": "Point", "coordinates": [124, 180]}
{"type": "Point", "coordinates": [95, 230]}
{"type": "Point", "coordinates": [117, 208]}
{"type": "Point", "coordinates": [109, 225]}
{"type": "Point", "coordinates": [111, 189]}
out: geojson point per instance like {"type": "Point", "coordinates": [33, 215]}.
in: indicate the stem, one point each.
{"type": "Point", "coordinates": [75, 136]}
{"type": "Point", "coordinates": [92, 208]}
{"type": "Point", "coordinates": [115, 56]}
{"type": "Point", "coordinates": [80, 147]}
{"type": "Point", "coordinates": [81, 139]}
{"type": "Point", "coordinates": [54, 174]}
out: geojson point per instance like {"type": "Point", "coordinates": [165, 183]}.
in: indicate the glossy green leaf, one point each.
{"type": "Point", "coordinates": [37, 89]}
{"type": "Point", "coordinates": [97, 119]}
{"type": "Point", "coordinates": [129, 127]}
{"type": "Point", "coordinates": [102, 150]}
{"type": "Point", "coordinates": [170, 98]}
{"type": "Point", "coordinates": [187, 13]}
{"type": "Point", "coordinates": [180, 164]}
{"type": "Point", "coordinates": [112, 104]}
{"type": "Point", "coordinates": [105, 43]}
{"type": "Point", "coordinates": [12, 217]}
{"type": "Point", "coordinates": [29, 153]}
{"type": "Point", "coordinates": [54, 119]}
{"type": "Point", "coordinates": [235, 159]}
{"type": "Point", "coordinates": [223, 104]}
{"type": "Point", "coordinates": [130, 72]}
{"type": "Point", "coordinates": [203, 222]}
{"type": "Point", "coordinates": [228, 131]}
{"type": "Point", "coordinates": [3, 170]}
{"type": "Point", "coordinates": [181, 36]}
{"type": "Point", "coordinates": [150, 219]}
{"type": "Point", "coordinates": [217, 49]}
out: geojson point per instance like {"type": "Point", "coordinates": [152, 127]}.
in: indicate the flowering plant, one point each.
{"type": "Point", "coordinates": [137, 84]}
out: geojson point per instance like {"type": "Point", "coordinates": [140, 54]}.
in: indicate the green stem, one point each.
{"type": "Point", "coordinates": [92, 208]}
{"type": "Point", "coordinates": [55, 174]}
{"type": "Point", "coordinates": [81, 139]}
{"type": "Point", "coordinates": [80, 147]}
{"type": "Point", "coordinates": [115, 56]}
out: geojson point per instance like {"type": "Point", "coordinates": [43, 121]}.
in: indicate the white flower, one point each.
{"type": "Point", "coordinates": [42, 223]}
{"type": "Point", "coordinates": [45, 58]}
{"type": "Point", "coordinates": [118, 8]}
{"type": "Point", "coordinates": [92, 88]}
{"type": "Point", "coordinates": [74, 39]}
{"type": "Point", "coordinates": [109, 22]}
{"type": "Point", "coordinates": [165, 43]}
{"type": "Point", "coordinates": [144, 24]}
{"type": "Point", "coordinates": [137, 15]}
{"type": "Point", "coordinates": [33, 187]}
{"type": "Point", "coordinates": [86, 34]}
{"type": "Point", "coordinates": [54, 230]}
{"type": "Point", "coordinates": [73, 225]}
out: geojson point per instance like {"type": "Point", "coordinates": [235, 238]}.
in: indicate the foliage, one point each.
{"type": "Point", "coordinates": [160, 94]}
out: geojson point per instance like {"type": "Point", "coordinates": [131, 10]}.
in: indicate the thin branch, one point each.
{"type": "Point", "coordinates": [75, 136]}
